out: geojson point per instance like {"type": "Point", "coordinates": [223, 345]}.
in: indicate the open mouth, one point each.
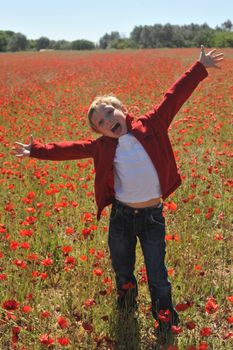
{"type": "Point", "coordinates": [115, 127]}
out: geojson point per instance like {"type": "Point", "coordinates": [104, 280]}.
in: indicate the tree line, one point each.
{"type": "Point", "coordinates": [147, 36]}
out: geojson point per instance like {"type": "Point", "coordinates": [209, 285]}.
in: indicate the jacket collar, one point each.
{"type": "Point", "coordinates": [134, 127]}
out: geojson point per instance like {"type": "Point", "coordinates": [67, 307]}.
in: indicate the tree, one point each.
{"type": "Point", "coordinates": [227, 25]}
{"type": "Point", "coordinates": [204, 35]}
{"type": "Point", "coordinates": [3, 41]}
{"type": "Point", "coordinates": [145, 38]}
{"type": "Point", "coordinates": [63, 45]}
{"type": "Point", "coordinates": [82, 45]}
{"type": "Point", "coordinates": [17, 42]}
{"type": "Point", "coordinates": [223, 39]}
{"type": "Point", "coordinates": [135, 34]}
{"type": "Point", "coordinates": [107, 39]}
{"type": "Point", "coordinates": [123, 44]}
{"type": "Point", "coordinates": [42, 43]}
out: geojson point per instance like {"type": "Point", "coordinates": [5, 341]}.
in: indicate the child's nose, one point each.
{"type": "Point", "coordinates": [107, 120]}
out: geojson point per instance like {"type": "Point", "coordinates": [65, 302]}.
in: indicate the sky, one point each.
{"type": "Point", "coordinates": [86, 19]}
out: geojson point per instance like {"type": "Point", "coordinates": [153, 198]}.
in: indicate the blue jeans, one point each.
{"type": "Point", "coordinates": [148, 224]}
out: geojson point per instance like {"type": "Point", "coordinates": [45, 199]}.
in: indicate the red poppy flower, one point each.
{"type": "Point", "coordinates": [26, 308]}
{"type": "Point", "coordinates": [63, 322]}
{"type": "Point", "coordinates": [211, 306]}
{"type": "Point", "coordinates": [10, 305]}
{"type": "Point", "coordinates": [205, 331]}
{"type": "Point", "coordinates": [165, 316]}
{"type": "Point", "coordinates": [63, 341]}
{"type": "Point", "coordinates": [45, 339]}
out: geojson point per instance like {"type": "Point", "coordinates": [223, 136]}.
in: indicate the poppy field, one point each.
{"type": "Point", "coordinates": [57, 287]}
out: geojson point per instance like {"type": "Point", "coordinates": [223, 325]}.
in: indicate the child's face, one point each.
{"type": "Point", "coordinates": [109, 121]}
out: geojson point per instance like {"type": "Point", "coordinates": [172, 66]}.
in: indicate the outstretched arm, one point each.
{"type": "Point", "coordinates": [66, 150]}
{"type": "Point", "coordinates": [182, 89]}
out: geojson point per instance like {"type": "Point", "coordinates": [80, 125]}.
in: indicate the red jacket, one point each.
{"type": "Point", "coordinates": [150, 129]}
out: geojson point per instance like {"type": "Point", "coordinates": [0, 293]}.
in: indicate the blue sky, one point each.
{"type": "Point", "coordinates": [86, 19]}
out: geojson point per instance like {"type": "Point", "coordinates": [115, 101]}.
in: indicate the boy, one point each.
{"type": "Point", "coordinates": [135, 169]}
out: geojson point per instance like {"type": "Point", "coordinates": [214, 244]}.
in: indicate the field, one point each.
{"type": "Point", "coordinates": [57, 287]}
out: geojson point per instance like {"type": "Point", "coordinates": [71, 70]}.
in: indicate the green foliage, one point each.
{"type": "Point", "coordinates": [82, 45]}
{"type": "Point", "coordinates": [17, 42]}
{"type": "Point", "coordinates": [42, 43]}
{"type": "Point", "coordinates": [147, 36]}
{"type": "Point", "coordinates": [62, 45]}
{"type": "Point", "coordinates": [168, 35]}
{"type": "Point", "coordinates": [123, 44]}
{"type": "Point", "coordinates": [5, 37]}
{"type": "Point", "coordinates": [106, 41]}
{"type": "Point", "coordinates": [3, 41]}
{"type": "Point", "coordinates": [223, 39]}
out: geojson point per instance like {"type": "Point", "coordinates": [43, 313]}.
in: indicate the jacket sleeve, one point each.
{"type": "Point", "coordinates": [67, 150]}
{"type": "Point", "coordinates": [178, 93]}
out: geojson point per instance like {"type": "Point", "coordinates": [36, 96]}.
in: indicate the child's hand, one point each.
{"type": "Point", "coordinates": [210, 60]}
{"type": "Point", "coordinates": [22, 150]}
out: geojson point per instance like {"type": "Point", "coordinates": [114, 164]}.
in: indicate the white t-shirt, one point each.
{"type": "Point", "coordinates": [135, 177]}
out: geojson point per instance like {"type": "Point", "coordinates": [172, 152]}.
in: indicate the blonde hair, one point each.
{"type": "Point", "coordinates": [107, 99]}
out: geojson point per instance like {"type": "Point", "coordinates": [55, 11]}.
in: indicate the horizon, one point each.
{"type": "Point", "coordinates": [73, 19]}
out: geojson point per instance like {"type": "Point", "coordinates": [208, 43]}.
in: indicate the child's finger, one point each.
{"type": "Point", "coordinates": [211, 52]}
{"type": "Point", "coordinates": [20, 144]}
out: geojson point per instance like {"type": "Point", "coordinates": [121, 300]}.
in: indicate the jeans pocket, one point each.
{"type": "Point", "coordinates": [115, 214]}
{"type": "Point", "coordinates": [155, 218]}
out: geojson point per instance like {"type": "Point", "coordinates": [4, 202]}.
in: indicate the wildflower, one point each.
{"type": "Point", "coordinates": [230, 319]}
{"type": "Point", "coordinates": [31, 195]}
{"type": "Point", "coordinates": [28, 232]}
{"type": "Point", "coordinates": [205, 331]}
{"type": "Point", "coordinates": [211, 306]}
{"type": "Point", "coordinates": [63, 341]}
{"type": "Point", "coordinates": [69, 231]}
{"type": "Point", "coordinates": [66, 249]}
{"type": "Point", "coordinates": [176, 329]}
{"type": "Point", "coordinates": [47, 262]}
{"type": "Point", "coordinates": [83, 258]}
{"type": "Point", "coordinates": [26, 308]}
{"type": "Point", "coordinates": [98, 272]}
{"type": "Point", "coordinates": [190, 325]}
{"type": "Point", "coordinates": [89, 302]}
{"type": "Point", "coordinates": [230, 299]}
{"type": "Point", "coordinates": [24, 245]}
{"type": "Point", "coordinates": [170, 206]}
{"type": "Point", "coordinates": [43, 275]}
{"type": "Point", "coordinates": [10, 305]}
{"type": "Point", "coordinates": [86, 232]}
{"type": "Point", "coordinates": [182, 307]}
{"type": "Point", "coordinates": [70, 260]}
{"type": "Point", "coordinates": [165, 316]}
{"type": "Point", "coordinates": [3, 276]}
{"type": "Point", "coordinates": [20, 263]}
{"type": "Point", "coordinates": [14, 245]}
{"type": "Point", "coordinates": [45, 339]}
{"type": "Point", "coordinates": [63, 322]}
{"type": "Point", "coordinates": [203, 346]}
